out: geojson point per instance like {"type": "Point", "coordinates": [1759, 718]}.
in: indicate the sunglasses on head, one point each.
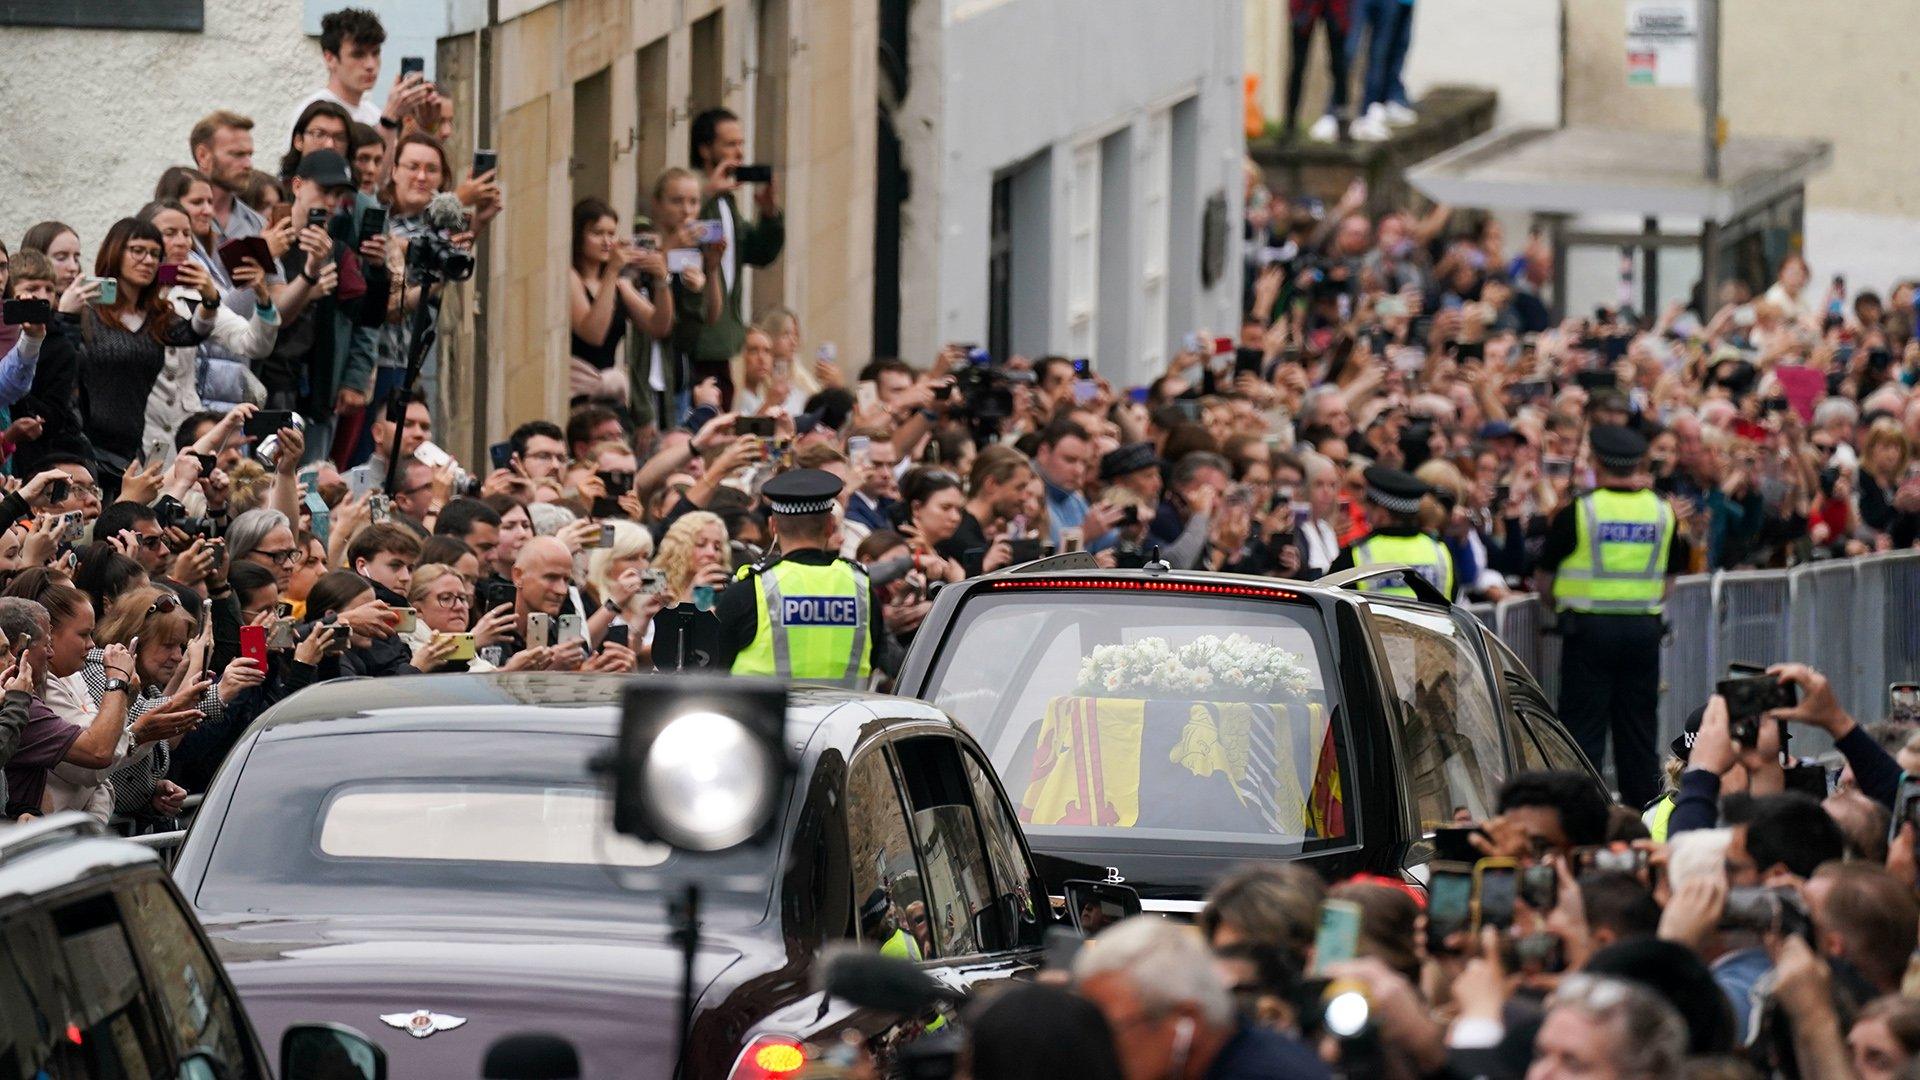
{"type": "Point", "coordinates": [164, 604]}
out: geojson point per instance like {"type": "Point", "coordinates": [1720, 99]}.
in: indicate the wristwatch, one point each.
{"type": "Point", "coordinates": [115, 686]}
{"type": "Point", "coordinates": [389, 123]}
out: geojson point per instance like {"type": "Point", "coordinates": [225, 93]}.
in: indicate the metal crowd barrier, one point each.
{"type": "Point", "coordinates": [1856, 620]}
{"type": "Point", "coordinates": [1485, 613]}
{"type": "Point", "coordinates": [1687, 654]}
{"type": "Point", "coordinates": [1521, 623]}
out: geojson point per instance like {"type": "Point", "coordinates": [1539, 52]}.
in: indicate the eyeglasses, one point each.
{"type": "Point", "coordinates": [458, 599]}
{"type": "Point", "coordinates": [153, 543]}
{"type": "Point", "coordinates": [283, 557]}
{"type": "Point", "coordinates": [144, 253]}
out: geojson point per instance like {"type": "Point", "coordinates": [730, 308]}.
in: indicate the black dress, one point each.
{"type": "Point", "coordinates": [601, 356]}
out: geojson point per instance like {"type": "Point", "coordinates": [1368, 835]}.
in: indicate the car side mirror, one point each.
{"type": "Point", "coordinates": [322, 1051]}
{"type": "Point", "coordinates": [1092, 906]}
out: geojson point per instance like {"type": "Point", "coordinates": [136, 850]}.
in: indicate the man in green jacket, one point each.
{"type": "Point", "coordinates": [719, 147]}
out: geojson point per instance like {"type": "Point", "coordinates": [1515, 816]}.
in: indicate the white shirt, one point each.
{"type": "Point", "coordinates": [70, 787]}
{"type": "Point", "coordinates": [730, 258]}
{"type": "Point", "coordinates": [366, 112]}
{"type": "Point", "coordinates": [1323, 545]}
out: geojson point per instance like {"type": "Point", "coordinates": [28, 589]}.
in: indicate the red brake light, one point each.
{"type": "Point", "coordinates": [1138, 585]}
{"type": "Point", "coordinates": [770, 1057]}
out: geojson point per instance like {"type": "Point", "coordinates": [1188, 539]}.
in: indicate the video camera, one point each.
{"type": "Point", "coordinates": [984, 390]}
{"type": "Point", "coordinates": [432, 256]}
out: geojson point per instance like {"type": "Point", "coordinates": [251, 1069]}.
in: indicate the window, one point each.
{"type": "Point", "coordinates": [960, 896]}
{"type": "Point", "coordinates": [1000, 269]}
{"type": "Point", "coordinates": [1520, 733]}
{"type": "Point", "coordinates": [33, 1026]}
{"type": "Point", "coordinates": [1083, 249]}
{"type": "Point", "coordinates": [1560, 751]}
{"type": "Point", "coordinates": [887, 890]}
{"type": "Point", "coordinates": [115, 1021]}
{"type": "Point", "coordinates": [185, 15]}
{"type": "Point", "coordinates": [1156, 226]}
{"type": "Point", "coordinates": [1452, 734]}
{"type": "Point", "coordinates": [479, 823]}
{"type": "Point", "coordinates": [198, 1009]}
{"type": "Point", "coordinates": [1116, 715]}
{"type": "Point", "coordinates": [1019, 895]}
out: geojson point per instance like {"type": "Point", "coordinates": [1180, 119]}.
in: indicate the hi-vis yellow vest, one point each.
{"type": "Point", "coordinates": [1619, 560]}
{"type": "Point", "coordinates": [1426, 555]}
{"type": "Point", "coordinates": [811, 624]}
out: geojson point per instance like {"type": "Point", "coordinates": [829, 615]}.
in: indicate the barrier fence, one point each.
{"type": "Point", "coordinates": [1856, 620]}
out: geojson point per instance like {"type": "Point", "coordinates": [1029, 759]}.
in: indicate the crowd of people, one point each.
{"type": "Point", "coordinates": [224, 486]}
{"type": "Point", "coordinates": [1769, 933]}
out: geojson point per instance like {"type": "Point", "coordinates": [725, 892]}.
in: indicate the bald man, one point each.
{"type": "Point", "coordinates": [542, 579]}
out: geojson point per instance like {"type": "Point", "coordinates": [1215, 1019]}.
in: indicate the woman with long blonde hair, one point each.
{"type": "Point", "coordinates": [694, 552]}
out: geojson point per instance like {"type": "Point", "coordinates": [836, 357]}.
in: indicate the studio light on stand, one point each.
{"type": "Point", "coordinates": [703, 766]}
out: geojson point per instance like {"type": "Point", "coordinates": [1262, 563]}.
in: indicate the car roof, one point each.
{"type": "Point", "coordinates": [568, 703]}
{"type": "Point", "coordinates": [51, 853]}
{"type": "Point", "coordinates": [1066, 568]}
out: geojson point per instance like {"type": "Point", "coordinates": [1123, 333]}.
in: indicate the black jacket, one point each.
{"type": "Point", "coordinates": [55, 400]}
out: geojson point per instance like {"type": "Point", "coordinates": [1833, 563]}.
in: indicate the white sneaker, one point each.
{"type": "Point", "coordinates": [1325, 129]}
{"type": "Point", "coordinates": [1401, 115]}
{"type": "Point", "coordinates": [1371, 127]}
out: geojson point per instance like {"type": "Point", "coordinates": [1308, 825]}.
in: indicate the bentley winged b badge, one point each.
{"type": "Point", "coordinates": [421, 1023]}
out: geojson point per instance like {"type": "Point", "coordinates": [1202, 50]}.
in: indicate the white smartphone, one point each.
{"type": "Point", "coordinates": [572, 628]}
{"type": "Point", "coordinates": [539, 629]}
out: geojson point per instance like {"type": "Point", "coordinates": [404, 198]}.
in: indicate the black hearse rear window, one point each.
{"type": "Point", "coordinates": [1152, 715]}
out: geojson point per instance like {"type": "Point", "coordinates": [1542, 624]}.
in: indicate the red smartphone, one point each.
{"type": "Point", "coordinates": [253, 644]}
{"type": "Point", "coordinates": [1222, 345]}
{"type": "Point", "coordinates": [167, 275]}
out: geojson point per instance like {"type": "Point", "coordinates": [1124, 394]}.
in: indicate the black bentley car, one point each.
{"type": "Point", "coordinates": [1160, 727]}
{"type": "Point", "coordinates": [430, 860]}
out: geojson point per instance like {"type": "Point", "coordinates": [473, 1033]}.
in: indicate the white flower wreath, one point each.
{"type": "Point", "coordinates": [1152, 668]}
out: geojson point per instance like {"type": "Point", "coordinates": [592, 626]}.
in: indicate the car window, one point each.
{"type": "Point", "coordinates": [960, 896]}
{"type": "Point", "coordinates": [198, 1009]}
{"type": "Point", "coordinates": [316, 840]}
{"type": "Point", "coordinates": [1452, 734]}
{"type": "Point", "coordinates": [886, 878]}
{"type": "Point", "coordinates": [1560, 751]}
{"type": "Point", "coordinates": [1014, 882]}
{"type": "Point", "coordinates": [1186, 717]}
{"type": "Point", "coordinates": [480, 823]}
{"type": "Point", "coordinates": [33, 986]}
{"type": "Point", "coordinates": [115, 1021]}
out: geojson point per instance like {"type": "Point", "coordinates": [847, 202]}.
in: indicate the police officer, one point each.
{"type": "Point", "coordinates": [1393, 511]}
{"type": "Point", "coordinates": [809, 615]}
{"type": "Point", "coordinates": [1610, 555]}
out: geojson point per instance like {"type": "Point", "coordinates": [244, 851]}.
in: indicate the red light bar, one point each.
{"type": "Point", "coordinates": [1135, 585]}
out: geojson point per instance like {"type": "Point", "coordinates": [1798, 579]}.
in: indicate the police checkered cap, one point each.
{"type": "Point", "coordinates": [785, 506]}
{"type": "Point", "coordinates": [1617, 448]}
{"type": "Point", "coordinates": [802, 491]}
{"type": "Point", "coordinates": [1394, 490]}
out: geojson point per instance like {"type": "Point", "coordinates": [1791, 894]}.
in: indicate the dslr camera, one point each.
{"type": "Point", "coordinates": [432, 257]}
